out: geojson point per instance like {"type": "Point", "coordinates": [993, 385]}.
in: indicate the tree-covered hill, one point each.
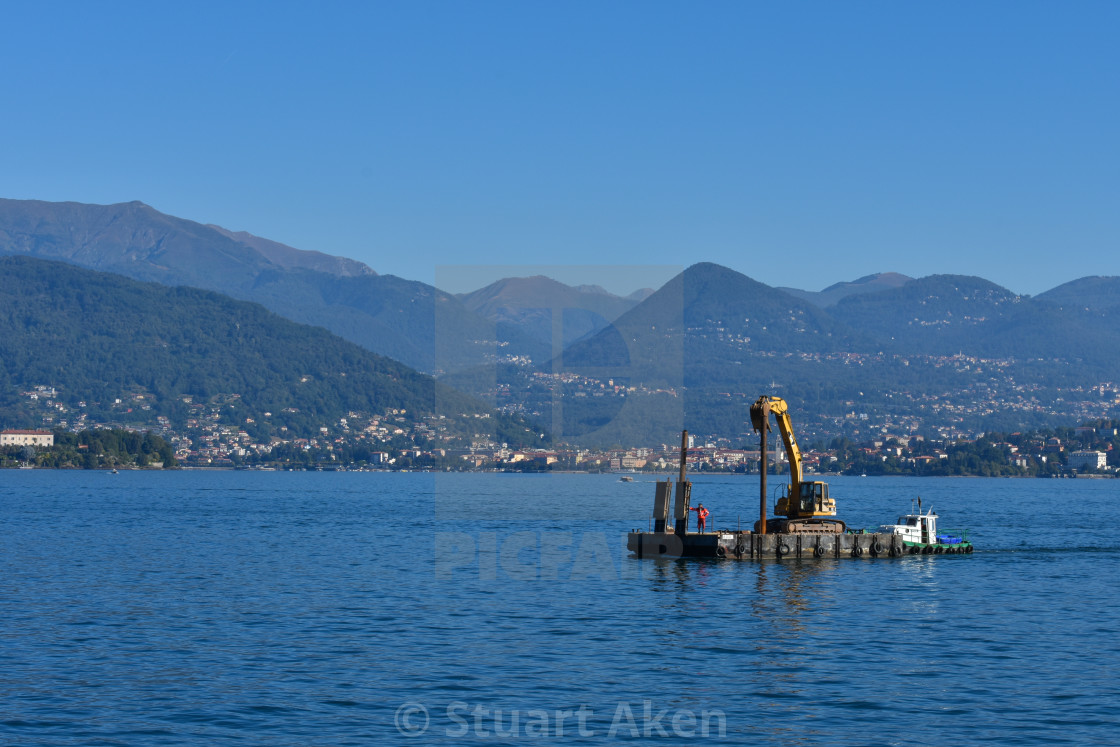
{"type": "Point", "coordinates": [1095, 293]}
{"type": "Point", "coordinates": [118, 350]}
{"type": "Point", "coordinates": [703, 319]}
{"type": "Point", "coordinates": [831, 295]}
{"type": "Point", "coordinates": [946, 315]}
{"type": "Point", "coordinates": [932, 315]}
{"type": "Point", "coordinates": [406, 320]}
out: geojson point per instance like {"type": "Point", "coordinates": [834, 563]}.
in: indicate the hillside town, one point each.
{"type": "Point", "coordinates": [396, 440]}
{"type": "Point", "coordinates": [985, 391]}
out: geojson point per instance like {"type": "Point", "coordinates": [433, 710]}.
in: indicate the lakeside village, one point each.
{"type": "Point", "coordinates": [395, 441]}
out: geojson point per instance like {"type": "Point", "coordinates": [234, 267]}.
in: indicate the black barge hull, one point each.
{"type": "Point", "coordinates": [752, 546]}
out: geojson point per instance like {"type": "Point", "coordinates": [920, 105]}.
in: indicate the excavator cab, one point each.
{"type": "Point", "coordinates": [812, 500]}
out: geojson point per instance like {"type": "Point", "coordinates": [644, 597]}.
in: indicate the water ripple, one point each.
{"type": "Point", "coordinates": [193, 608]}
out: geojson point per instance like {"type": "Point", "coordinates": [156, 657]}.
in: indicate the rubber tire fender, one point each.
{"type": "Point", "coordinates": [783, 548]}
{"type": "Point", "coordinates": [819, 551]}
{"type": "Point", "coordinates": [857, 551]}
{"type": "Point", "coordinates": [877, 547]}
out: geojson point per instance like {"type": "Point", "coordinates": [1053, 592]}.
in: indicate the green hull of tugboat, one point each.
{"type": "Point", "coordinates": [961, 546]}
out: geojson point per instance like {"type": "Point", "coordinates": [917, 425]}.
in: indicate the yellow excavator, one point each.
{"type": "Point", "coordinates": [806, 506]}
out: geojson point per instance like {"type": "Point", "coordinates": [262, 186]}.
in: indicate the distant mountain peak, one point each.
{"type": "Point", "coordinates": [834, 293]}
{"type": "Point", "coordinates": [593, 289]}
{"type": "Point", "coordinates": [1098, 292]}
{"type": "Point", "coordinates": [641, 294]}
{"type": "Point", "coordinates": [531, 302]}
{"type": "Point", "coordinates": [291, 258]}
{"type": "Point", "coordinates": [878, 280]}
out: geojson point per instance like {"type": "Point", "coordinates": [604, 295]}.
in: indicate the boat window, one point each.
{"type": "Point", "coordinates": [912, 521]}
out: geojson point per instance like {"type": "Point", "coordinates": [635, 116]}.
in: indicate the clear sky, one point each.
{"type": "Point", "coordinates": [801, 143]}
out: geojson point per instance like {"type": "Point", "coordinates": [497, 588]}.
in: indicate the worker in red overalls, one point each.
{"type": "Point", "coordinates": [701, 517]}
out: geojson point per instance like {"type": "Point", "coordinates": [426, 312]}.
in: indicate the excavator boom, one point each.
{"type": "Point", "coordinates": [803, 500]}
{"type": "Point", "coordinates": [760, 412]}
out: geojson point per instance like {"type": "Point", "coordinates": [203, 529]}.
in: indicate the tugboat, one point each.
{"type": "Point", "coordinates": [919, 534]}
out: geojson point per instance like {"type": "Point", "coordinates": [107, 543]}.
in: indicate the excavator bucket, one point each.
{"type": "Point", "coordinates": [760, 414]}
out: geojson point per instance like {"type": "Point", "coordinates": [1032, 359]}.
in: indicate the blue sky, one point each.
{"type": "Point", "coordinates": [799, 143]}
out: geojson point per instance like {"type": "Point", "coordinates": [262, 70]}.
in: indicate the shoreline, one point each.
{"type": "Point", "coordinates": [657, 476]}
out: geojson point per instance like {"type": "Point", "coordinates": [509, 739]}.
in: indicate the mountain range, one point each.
{"type": "Point", "coordinates": [409, 321]}
{"type": "Point", "coordinates": [960, 349]}
{"type": "Point", "coordinates": [944, 348]}
{"type": "Point", "coordinates": [117, 350]}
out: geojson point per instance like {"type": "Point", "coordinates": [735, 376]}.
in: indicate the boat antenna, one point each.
{"type": "Point", "coordinates": [919, 504]}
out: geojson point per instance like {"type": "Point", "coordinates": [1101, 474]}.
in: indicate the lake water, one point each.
{"type": "Point", "coordinates": [154, 608]}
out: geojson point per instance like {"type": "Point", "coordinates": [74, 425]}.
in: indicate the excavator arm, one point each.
{"type": "Point", "coordinates": [760, 412]}
{"type": "Point", "coordinates": [803, 499]}
{"type": "Point", "coordinates": [780, 409]}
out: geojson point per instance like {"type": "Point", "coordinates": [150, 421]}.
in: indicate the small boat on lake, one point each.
{"type": "Point", "coordinates": [919, 534]}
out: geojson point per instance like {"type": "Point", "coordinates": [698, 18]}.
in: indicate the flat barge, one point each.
{"type": "Point", "coordinates": [754, 546]}
{"type": "Point", "coordinates": [806, 525]}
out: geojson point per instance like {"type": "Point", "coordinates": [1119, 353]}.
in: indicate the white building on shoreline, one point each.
{"type": "Point", "coordinates": [1087, 460]}
{"type": "Point", "coordinates": [26, 438]}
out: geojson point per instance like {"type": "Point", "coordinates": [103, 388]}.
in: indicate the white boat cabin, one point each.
{"type": "Point", "coordinates": [921, 528]}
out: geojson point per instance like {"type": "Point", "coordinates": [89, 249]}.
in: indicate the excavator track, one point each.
{"type": "Point", "coordinates": [804, 526]}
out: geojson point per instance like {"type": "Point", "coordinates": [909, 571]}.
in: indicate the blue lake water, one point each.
{"type": "Point", "coordinates": [315, 608]}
